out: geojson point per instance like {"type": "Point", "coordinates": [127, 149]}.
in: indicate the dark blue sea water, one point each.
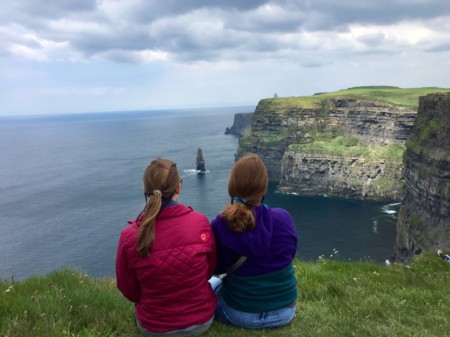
{"type": "Point", "coordinates": [68, 184]}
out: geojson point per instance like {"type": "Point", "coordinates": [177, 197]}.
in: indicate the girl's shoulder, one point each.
{"type": "Point", "coordinates": [280, 215]}
{"type": "Point", "coordinates": [129, 234]}
{"type": "Point", "coordinates": [280, 211]}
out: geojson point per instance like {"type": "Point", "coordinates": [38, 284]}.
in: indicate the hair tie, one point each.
{"type": "Point", "coordinates": [157, 192]}
{"type": "Point", "coordinates": [242, 201]}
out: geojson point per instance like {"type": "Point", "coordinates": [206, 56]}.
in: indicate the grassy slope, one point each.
{"type": "Point", "coordinates": [344, 147]}
{"type": "Point", "coordinates": [335, 299]}
{"type": "Point", "coordinates": [402, 97]}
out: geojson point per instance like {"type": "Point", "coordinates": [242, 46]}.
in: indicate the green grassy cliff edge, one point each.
{"type": "Point", "coordinates": [407, 98]}
{"type": "Point", "coordinates": [335, 299]}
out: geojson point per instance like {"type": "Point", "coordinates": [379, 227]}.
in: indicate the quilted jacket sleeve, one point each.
{"type": "Point", "coordinates": [126, 277]}
{"type": "Point", "coordinates": [212, 256]}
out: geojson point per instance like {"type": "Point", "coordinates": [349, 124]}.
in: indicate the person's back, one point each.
{"type": "Point", "coordinates": [269, 248]}
{"type": "Point", "coordinates": [169, 284]}
{"type": "Point", "coordinates": [262, 291]}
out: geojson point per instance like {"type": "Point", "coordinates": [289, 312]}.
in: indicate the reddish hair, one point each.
{"type": "Point", "coordinates": [248, 183]}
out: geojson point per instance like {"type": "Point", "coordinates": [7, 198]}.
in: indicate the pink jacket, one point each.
{"type": "Point", "coordinates": [170, 287]}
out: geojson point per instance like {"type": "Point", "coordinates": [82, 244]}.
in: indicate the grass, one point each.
{"type": "Point", "coordinates": [344, 147]}
{"type": "Point", "coordinates": [426, 133]}
{"type": "Point", "coordinates": [335, 299]}
{"type": "Point", "coordinates": [401, 97]}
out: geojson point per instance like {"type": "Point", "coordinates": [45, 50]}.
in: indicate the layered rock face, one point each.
{"type": "Point", "coordinates": [268, 139]}
{"type": "Point", "coordinates": [241, 121]}
{"type": "Point", "coordinates": [354, 178]}
{"type": "Point", "coordinates": [424, 217]}
{"type": "Point", "coordinates": [283, 135]}
{"type": "Point", "coordinates": [372, 122]}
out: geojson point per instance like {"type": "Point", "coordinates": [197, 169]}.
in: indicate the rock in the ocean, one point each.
{"type": "Point", "coordinates": [200, 161]}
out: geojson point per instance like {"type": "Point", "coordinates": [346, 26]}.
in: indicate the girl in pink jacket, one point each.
{"type": "Point", "coordinates": [165, 258]}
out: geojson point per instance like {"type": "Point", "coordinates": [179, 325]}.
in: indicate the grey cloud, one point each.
{"type": "Point", "coordinates": [151, 10]}
{"type": "Point", "coordinates": [373, 39]}
{"type": "Point", "coordinates": [120, 56]}
{"type": "Point", "coordinates": [95, 43]}
{"type": "Point", "coordinates": [246, 30]}
{"type": "Point", "coordinates": [253, 23]}
{"type": "Point", "coordinates": [314, 64]}
{"type": "Point", "coordinates": [344, 12]}
{"type": "Point", "coordinates": [323, 13]}
{"type": "Point", "coordinates": [378, 52]}
{"type": "Point", "coordinates": [440, 48]}
{"type": "Point", "coordinates": [50, 9]}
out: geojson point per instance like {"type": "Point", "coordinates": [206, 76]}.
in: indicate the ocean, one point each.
{"type": "Point", "coordinates": [69, 183]}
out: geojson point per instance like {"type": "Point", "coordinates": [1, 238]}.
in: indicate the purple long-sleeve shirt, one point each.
{"type": "Point", "coordinates": [269, 247]}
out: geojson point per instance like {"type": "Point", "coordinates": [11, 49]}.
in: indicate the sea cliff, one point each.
{"type": "Point", "coordinates": [424, 217]}
{"type": "Point", "coordinates": [348, 143]}
{"type": "Point", "coordinates": [241, 123]}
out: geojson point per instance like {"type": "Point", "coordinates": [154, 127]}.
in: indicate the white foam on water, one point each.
{"type": "Point", "coordinates": [193, 172]}
{"type": "Point", "coordinates": [388, 208]}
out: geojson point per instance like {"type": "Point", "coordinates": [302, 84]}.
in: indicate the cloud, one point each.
{"type": "Point", "coordinates": [440, 48]}
{"type": "Point", "coordinates": [82, 91]}
{"type": "Point", "coordinates": [29, 45]}
{"type": "Point", "coordinates": [244, 49]}
{"type": "Point", "coordinates": [141, 56]}
{"type": "Point", "coordinates": [49, 9]}
{"type": "Point", "coordinates": [193, 31]}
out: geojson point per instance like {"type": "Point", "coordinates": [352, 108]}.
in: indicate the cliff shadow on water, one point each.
{"type": "Point", "coordinates": [338, 228]}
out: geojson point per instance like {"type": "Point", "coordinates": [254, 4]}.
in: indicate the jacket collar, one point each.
{"type": "Point", "coordinates": [173, 211]}
{"type": "Point", "coordinates": [167, 212]}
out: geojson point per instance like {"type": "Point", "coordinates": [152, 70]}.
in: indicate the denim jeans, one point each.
{"type": "Point", "coordinates": [249, 320]}
{"type": "Point", "coordinates": [193, 330]}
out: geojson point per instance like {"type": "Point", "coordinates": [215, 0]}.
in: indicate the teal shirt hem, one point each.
{"type": "Point", "coordinates": [261, 293]}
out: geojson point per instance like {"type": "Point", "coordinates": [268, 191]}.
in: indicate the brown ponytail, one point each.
{"type": "Point", "coordinates": [161, 180]}
{"type": "Point", "coordinates": [247, 186]}
{"type": "Point", "coordinates": [239, 217]}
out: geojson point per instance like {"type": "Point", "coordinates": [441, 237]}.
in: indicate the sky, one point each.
{"type": "Point", "coordinates": [71, 56]}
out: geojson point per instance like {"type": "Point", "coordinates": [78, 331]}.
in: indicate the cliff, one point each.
{"type": "Point", "coordinates": [348, 143]}
{"type": "Point", "coordinates": [241, 122]}
{"type": "Point", "coordinates": [424, 217]}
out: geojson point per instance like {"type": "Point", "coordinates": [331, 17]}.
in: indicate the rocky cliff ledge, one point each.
{"type": "Point", "coordinates": [348, 143]}
{"type": "Point", "coordinates": [424, 217]}
{"type": "Point", "coordinates": [241, 122]}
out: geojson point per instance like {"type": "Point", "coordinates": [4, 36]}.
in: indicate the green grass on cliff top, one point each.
{"type": "Point", "coordinates": [335, 299]}
{"type": "Point", "coordinates": [342, 147]}
{"type": "Point", "coordinates": [400, 97]}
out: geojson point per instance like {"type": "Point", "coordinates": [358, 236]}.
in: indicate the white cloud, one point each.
{"type": "Point", "coordinates": [30, 46]}
{"type": "Point", "coordinates": [134, 56]}
{"type": "Point", "coordinates": [81, 91]}
{"type": "Point", "coordinates": [69, 27]}
{"type": "Point", "coordinates": [26, 52]}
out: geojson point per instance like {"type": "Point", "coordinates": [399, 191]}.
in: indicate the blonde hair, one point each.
{"type": "Point", "coordinates": [247, 185]}
{"type": "Point", "coordinates": [161, 179]}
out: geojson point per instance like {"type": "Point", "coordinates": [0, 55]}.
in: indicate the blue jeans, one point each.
{"type": "Point", "coordinates": [249, 320]}
{"type": "Point", "coordinates": [193, 330]}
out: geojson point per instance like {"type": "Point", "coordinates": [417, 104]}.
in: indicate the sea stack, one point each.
{"type": "Point", "coordinates": [200, 161]}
